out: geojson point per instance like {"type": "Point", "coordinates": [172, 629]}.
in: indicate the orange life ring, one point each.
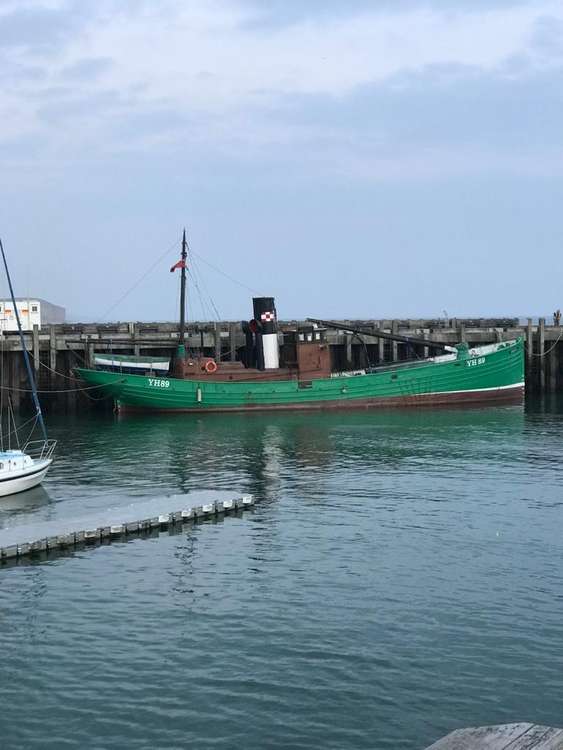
{"type": "Point", "coordinates": [210, 366]}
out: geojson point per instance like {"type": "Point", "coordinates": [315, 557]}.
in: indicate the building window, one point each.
{"type": "Point", "coordinates": [34, 308]}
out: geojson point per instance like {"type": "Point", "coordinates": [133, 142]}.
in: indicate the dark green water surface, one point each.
{"type": "Point", "coordinates": [400, 577]}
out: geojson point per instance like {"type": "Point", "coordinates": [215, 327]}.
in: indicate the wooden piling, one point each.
{"type": "Point", "coordinates": [90, 352]}
{"type": "Point", "coordinates": [349, 349]}
{"type": "Point", "coordinates": [136, 344]}
{"type": "Point", "coordinates": [529, 348]}
{"type": "Point", "coordinates": [541, 353]}
{"type": "Point", "coordinates": [232, 342]}
{"type": "Point", "coordinates": [462, 336]}
{"type": "Point", "coordinates": [553, 367]}
{"type": "Point", "coordinates": [52, 350]}
{"type": "Point", "coordinates": [217, 337]}
{"type": "Point", "coordinates": [394, 344]}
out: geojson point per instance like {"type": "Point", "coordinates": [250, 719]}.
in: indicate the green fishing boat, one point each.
{"type": "Point", "coordinates": [292, 369]}
{"type": "Point", "coordinates": [488, 373]}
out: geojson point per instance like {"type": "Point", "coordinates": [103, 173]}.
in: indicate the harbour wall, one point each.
{"type": "Point", "coordinates": [56, 350]}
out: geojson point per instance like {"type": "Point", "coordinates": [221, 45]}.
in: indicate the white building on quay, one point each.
{"type": "Point", "coordinates": [32, 311]}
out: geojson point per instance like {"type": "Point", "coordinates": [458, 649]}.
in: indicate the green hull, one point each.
{"type": "Point", "coordinates": [494, 372]}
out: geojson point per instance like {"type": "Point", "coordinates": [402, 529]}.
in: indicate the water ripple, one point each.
{"type": "Point", "coordinates": [400, 577]}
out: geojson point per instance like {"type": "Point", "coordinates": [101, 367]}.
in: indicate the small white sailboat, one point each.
{"type": "Point", "coordinates": [22, 469]}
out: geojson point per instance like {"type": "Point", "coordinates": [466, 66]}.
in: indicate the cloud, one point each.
{"type": "Point", "coordinates": [166, 47]}
{"type": "Point", "coordinates": [237, 78]}
{"type": "Point", "coordinates": [87, 69]}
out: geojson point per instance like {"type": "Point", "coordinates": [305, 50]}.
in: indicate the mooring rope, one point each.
{"type": "Point", "coordinates": [56, 372]}
{"type": "Point", "coordinates": [65, 390]}
{"type": "Point", "coordinates": [551, 348]}
{"type": "Point", "coordinates": [71, 390]}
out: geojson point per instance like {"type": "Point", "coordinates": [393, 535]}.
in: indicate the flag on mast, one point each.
{"type": "Point", "coordinates": [179, 264]}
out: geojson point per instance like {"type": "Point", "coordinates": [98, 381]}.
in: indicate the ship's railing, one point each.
{"type": "Point", "coordinates": [40, 450]}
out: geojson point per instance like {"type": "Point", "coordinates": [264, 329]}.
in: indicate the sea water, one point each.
{"type": "Point", "coordinates": [400, 576]}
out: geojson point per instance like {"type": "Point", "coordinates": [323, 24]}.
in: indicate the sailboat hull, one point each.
{"type": "Point", "coordinates": [24, 479]}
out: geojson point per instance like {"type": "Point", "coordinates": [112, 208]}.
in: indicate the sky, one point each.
{"type": "Point", "coordinates": [358, 159]}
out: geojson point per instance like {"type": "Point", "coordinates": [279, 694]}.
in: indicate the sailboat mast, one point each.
{"type": "Point", "coordinates": [182, 336]}
{"type": "Point", "coordinates": [25, 354]}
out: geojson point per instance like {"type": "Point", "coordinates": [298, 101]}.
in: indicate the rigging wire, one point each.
{"type": "Point", "coordinates": [196, 277]}
{"type": "Point", "coordinates": [140, 280]}
{"type": "Point", "coordinates": [12, 417]}
{"type": "Point", "coordinates": [203, 305]}
{"type": "Point", "coordinates": [205, 289]}
{"type": "Point", "coordinates": [31, 431]}
{"type": "Point", "coordinates": [223, 273]}
{"type": "Point", "coordinates": [24, 424]}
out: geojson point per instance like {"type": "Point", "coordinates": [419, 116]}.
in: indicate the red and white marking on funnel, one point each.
{"type": "Point", "coordinates": [267, 317]}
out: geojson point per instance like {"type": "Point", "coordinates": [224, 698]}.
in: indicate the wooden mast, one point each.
{"type": "Point", "coordinates": [182, 335]}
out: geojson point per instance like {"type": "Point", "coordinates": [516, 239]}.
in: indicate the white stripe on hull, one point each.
{"type": "Point", "coordinates": [478, 390]}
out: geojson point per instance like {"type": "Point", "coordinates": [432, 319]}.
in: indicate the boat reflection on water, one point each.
{"type": "Point", "coordinates": [223, 450]}
{"type": "Point", "coordinates": [36, 497]}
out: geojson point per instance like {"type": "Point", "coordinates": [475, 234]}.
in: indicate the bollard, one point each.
{"type": "Point", "coordinates": [66, 540]}
{"type": "Point", "coordinates": [208, 509]}
{"type": "Point", "coordinates": [52, 542]}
